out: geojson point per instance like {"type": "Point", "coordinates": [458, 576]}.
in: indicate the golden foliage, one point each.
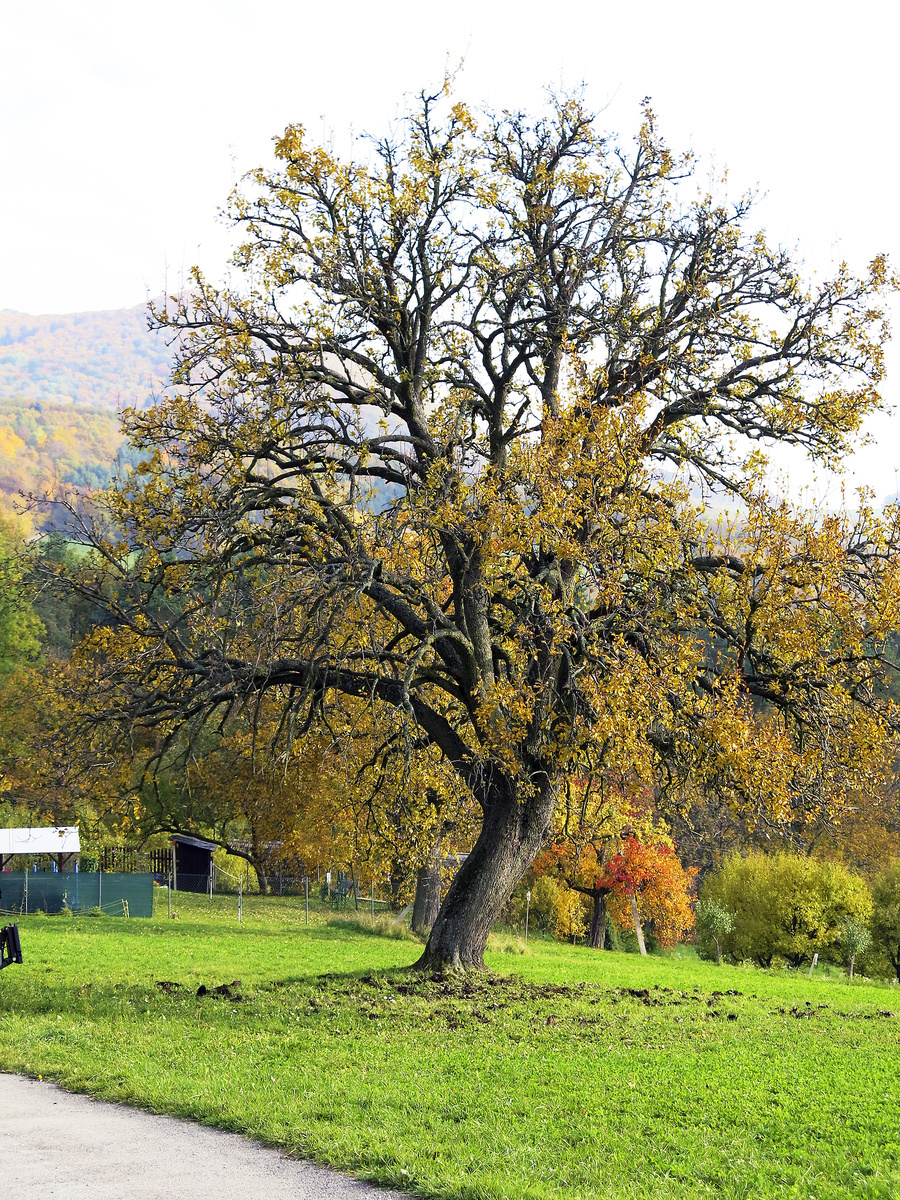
{"type": "Point", "coordinates": [436, 457]}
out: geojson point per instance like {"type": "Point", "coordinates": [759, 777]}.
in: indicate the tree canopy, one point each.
{"type": "Point", "coordinates": [438, 449]}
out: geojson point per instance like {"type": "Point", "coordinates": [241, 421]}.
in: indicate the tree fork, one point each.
{"type": "Point", "coordinates": [597, 940]}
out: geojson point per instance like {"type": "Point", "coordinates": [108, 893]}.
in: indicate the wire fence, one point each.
{"type": "Point", "coordinates": [341, 892]}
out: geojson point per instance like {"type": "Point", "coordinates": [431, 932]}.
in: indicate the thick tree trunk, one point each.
{"type": "Point", "coordinates": [510, 837]}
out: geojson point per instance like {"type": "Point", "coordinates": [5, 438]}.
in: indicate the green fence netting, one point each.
{"type": "Point", "coordinates": [117, 894]}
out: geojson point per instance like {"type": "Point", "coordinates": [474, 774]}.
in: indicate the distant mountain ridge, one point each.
{"type": "Point", "coordinates": [107, 359]}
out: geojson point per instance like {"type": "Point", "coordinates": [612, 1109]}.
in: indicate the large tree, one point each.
{"type": "Point", "coordinates": [436, 449]}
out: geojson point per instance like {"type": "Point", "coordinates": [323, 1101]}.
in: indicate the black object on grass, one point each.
{"type": "Point", "coordinates": [10, 946]}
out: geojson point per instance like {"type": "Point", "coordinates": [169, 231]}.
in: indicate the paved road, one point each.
{"type": "Point", "coordinates": [54, 1144]}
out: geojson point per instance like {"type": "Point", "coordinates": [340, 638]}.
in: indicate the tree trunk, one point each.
{"type": "Point", "coordinates": [262, 878]}
{"type": "Point", "coordinates": [398, 879]}
{"type": "Point", "coordinates": [510, 837]}
{"type": "Point", "coordinates": [598, 919]}
{"type": "Point", "coordinates": [598, 896]}
{"type": "Point", "coordinates": [427, 903]}
{"type": "Point", "coordinates": [637, 925]}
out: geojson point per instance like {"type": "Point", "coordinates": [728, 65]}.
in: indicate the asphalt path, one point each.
{"type": "Point", "coordinates": [56, 1144]}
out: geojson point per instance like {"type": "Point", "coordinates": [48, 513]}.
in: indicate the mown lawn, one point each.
{"type": "Point", "coordinates": [562, 1072]}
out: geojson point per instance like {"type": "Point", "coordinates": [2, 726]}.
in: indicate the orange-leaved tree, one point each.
{"type": "Point", "coordinates": [593, 817]}
{"type": "Point", "coordinates": [646, 880]}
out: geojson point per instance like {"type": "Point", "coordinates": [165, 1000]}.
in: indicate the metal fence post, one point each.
{"type": "Point", "coordinates": [306, 890]}
{"type": "Point", "coordinates": [240, 898]}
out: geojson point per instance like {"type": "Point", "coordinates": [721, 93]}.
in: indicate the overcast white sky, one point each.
{"type": "Point", "coordinates": [124, 125]}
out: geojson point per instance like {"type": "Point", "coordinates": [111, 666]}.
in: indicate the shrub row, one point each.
{"type": "Point", "coordinates": [782, 908]}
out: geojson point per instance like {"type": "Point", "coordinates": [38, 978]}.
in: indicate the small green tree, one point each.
{"type": "Point", "coordinates": [855, 939]}
{"type": "Point", "coordinates": [714, 920]}
{"type": "Point", "coordinates": [885, 922]}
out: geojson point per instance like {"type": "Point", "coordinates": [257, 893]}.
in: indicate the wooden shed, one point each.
{"type": "Point", "coordinates": [193, 863]}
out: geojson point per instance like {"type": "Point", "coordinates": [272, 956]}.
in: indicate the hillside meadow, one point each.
{"type": "Point", "coordinates": [558, 1072]}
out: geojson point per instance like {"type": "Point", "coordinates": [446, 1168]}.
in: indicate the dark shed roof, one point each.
{"type": "Point", "coordinates": [200, 843]}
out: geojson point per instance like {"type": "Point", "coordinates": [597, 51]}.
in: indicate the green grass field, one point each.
{"type": "Point", "coordinates": [561, 1072]}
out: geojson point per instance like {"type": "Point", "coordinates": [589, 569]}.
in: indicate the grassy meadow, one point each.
{"type": "Point", "coordinates": [560, 1072]}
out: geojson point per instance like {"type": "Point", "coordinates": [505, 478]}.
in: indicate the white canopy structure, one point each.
{"type": "Point", "coordinates": [41, 839]}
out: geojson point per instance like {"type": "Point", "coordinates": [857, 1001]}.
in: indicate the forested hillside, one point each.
{"type": "Point", "coordinates": [99, 359]}
{"type": "Point", "coordinates": [63, 379]}
{"type": "Point", "coordinates": [45, 446]}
